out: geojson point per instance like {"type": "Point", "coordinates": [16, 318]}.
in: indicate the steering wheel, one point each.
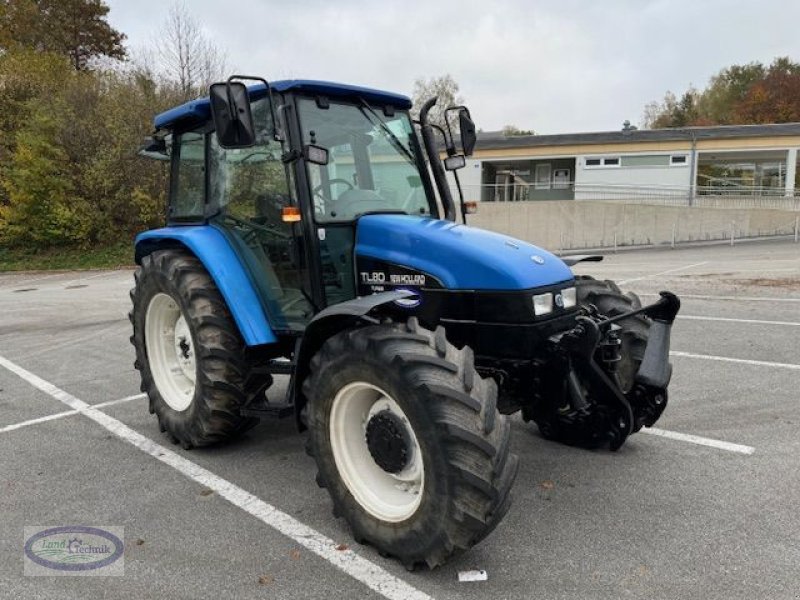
{"type": "Point", "coordinates": [336, 180]}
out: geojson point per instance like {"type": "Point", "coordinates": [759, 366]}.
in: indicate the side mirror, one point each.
{"type": "Point", "coordinates": [233, 119]}
{"type": "Point", "coordinates": [154, 148]}
{"type": "Point", "coordinates": [468, 134]}
{"type": "Point", "coordinates": [315, 154]}
{"type": "Point", "coordinates": [455, 162]}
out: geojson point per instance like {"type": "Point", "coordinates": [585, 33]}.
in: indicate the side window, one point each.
{"type": "Point", "coordinates": [189, 177]}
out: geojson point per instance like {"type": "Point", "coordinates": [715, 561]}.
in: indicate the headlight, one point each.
{"type": "Point", "coordinates": [570, 297]}
{"type": "Point", "coordinates": [543, 304]}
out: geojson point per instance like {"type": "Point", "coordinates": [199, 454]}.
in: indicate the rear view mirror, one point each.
{"type": "Point", "coordinates": [315, 154]}
{"type": "Point", "coordinates": [233, 120]}
{"type": "Point", "coordinates": [468, 135]}
{"type": "Point", "coordinates": [455, 162]}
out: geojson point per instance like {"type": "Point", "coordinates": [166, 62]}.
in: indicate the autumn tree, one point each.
{"type": "Point", "coordinates": [69, 169]}
{"type": "Point", "coordinates": [773, 99]}
{"type": "Point", "coordinates": [77, 29]}
{"type": "Point", "coordinates": [737, 95]}
{"type": "Point", "coordinates": [726, 90]}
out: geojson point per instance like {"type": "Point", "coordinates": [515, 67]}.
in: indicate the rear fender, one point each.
{"type": "Point", "coordinates": [328, 323]}
{"type": "Point", "coordinates": [221, 261]}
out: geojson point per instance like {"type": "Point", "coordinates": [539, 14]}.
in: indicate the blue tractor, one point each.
{"type": "Point", "coordinates": [304, 238]}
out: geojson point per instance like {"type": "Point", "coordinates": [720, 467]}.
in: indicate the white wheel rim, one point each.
{"type": "Point", "coordinates": [170, 351]}
{"type": "Point", "coordinates": [391, 497]}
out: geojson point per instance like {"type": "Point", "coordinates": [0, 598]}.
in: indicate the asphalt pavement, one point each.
{"type": "Point", "coordinates": [706, 510]}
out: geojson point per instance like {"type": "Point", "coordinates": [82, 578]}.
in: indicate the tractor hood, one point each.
{"type": "Point", "coordinates": [460, 257]}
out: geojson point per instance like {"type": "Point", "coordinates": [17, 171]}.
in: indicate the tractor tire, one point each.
{"type": "Point", "coordinates": [610, 301]}
{"type": "Point", "coordinates": [408, 441]}
{"type": "Point", "coordinates": [189, 352]}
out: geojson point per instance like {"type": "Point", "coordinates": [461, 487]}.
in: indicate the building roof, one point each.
{"type": "Point", "coordinates": [495, 139]}
{"type": "Point", "coordinates": [200, 109]}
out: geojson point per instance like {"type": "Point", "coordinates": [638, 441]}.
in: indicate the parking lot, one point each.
{"type": "Point", "coordinates": [707, 508]}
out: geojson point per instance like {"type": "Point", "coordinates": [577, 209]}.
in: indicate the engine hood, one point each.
{"type": "Point", "coordinates": [460, 257]}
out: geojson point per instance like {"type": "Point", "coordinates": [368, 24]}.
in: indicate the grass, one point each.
{"type": "Point", "coordinates": [66, 259]}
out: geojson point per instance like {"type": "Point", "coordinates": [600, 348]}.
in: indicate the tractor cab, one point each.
{"type": "Point", "coordinates": [283, 172]}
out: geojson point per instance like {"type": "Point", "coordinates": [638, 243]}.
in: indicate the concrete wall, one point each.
{"type": "Point", "coordinates": [565, 225]}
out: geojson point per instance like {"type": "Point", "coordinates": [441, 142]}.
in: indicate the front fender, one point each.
{"type": "Point", "coordinates": [326, 324]}
{"type": "Point", "coordinates": [212, 249]}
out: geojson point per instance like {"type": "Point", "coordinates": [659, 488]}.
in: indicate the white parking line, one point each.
{"type": "Point", "coordinates": [741, 298]}
{"type": "Point", "coordinates": [624, 281]}
{"type": "Point", "coordinates": [743, 361]}
{"type": "Point", "coordinates": [732, 320]}
{"type": "Point", "coordinates": [702, 441]}
{"type": "Point", "coordinates": [358, 567]}
{"type": "Point", "coordinates": [68, 413]}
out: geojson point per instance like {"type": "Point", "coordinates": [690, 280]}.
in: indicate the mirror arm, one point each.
{"type": "Point", "coordinates": [449, 145]}
{"type": "Point", "coordinates": [449, 130]}
{"type": "Point", "coordinates": [436, 163]}
{"type": "Point", "coordinates": [276, 134]}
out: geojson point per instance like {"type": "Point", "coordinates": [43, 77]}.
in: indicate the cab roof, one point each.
{"type": "Point", "coordinates": [200, 109]}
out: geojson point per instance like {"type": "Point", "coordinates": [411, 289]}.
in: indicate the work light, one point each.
{"type": "Point", "coordinates": [543, 304]}
{"type": "Point", "coordinates": [570, 296]}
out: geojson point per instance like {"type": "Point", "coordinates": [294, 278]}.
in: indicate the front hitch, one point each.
{"type": "Point", "coordinates": [580, 344]}
{"type": "Point", "coordinates": [593, 341]}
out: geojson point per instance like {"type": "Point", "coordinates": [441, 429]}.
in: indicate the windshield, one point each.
{"type": "Point", "coordinates": [372, 166]}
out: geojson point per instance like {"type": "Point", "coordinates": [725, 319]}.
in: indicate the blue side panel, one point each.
{"type": "Point", "coordinates": [219, 259]}
{"type": "Point", "coordinates": [461, 257]}
{"type": "Point", "coordinates": [200, 109]}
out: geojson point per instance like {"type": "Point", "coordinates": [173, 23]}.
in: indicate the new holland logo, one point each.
{"type": "Point", "coordinates": [559, 299]}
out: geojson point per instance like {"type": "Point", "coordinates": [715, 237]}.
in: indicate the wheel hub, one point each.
{"type": "Point", "coordinates": [376, 452]}
{"type": "Point", "coordinates": [388, 441]}
{"type": "Point", "coordinates": [170, 351]}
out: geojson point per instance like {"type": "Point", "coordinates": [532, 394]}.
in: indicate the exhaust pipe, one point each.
{"type": "Point", "coordinates": [439, 177]}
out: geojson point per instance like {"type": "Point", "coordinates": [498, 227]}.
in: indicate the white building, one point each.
{"type": "Point", "coordinates": [686, 162]}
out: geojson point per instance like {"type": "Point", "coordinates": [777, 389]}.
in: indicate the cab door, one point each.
{"type": "Point", "coordinates": [248, 189]}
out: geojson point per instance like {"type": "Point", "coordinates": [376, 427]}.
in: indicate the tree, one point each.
{"type": "Point", "coordinates": [445, 88]}
{"type": "Point", "coordinates": [77, 29]}
{"type": "Point", "coordinates": [737, 95]}
{"type": "Point", "coordinates": [69, 169]}
{"type": "Point", "coordinates": [773, 99]}
{"type": "Point", "coordinates": [726, 89]}
{"type": "Point", "coordinates": [513, 131]}
{"type": "Point", "coordinates": [672, 112]}
{"type": "Point", "coordinates": [185, 57]}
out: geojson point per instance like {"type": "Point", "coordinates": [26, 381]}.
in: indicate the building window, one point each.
{"type": "Point", "coordinates": [645, 160]}
{"type": "Point", "coordinates": [542, 177]}
{"type": "Point", "coordinates": [678, 160]}
{"type": "Point", "coordinates": [600, 163]}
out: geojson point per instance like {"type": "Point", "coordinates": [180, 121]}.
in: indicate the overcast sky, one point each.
{"type": "Point", "coordinates": [557, 66]}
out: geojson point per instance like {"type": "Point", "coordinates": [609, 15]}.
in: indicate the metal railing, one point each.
{"type": "Point", "coordinates": [738, 196]}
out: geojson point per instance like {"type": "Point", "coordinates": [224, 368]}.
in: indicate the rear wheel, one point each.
{"type": "Point", "coordinates": [188, 351]}
{"type": "Point", "coordinates": [408, 441]}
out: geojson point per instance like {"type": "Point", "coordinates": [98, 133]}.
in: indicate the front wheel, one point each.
{"type": "Point", "coordinates": [408, 441]}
